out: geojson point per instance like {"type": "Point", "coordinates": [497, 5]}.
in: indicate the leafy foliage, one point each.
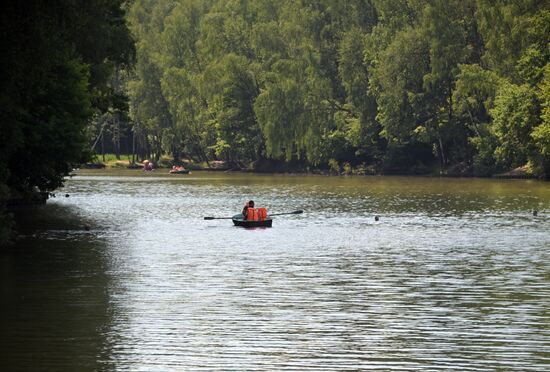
{"type": "Point", "coordinates": [515, 115]}
{"type": "Point", "coordinates": [365, 82]}
{"type": "Point", "coordinates": [56, 69]}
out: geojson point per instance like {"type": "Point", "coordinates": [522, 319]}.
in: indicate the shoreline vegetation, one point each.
{"type": "Point", "coordinates": [338, 87]}
{"type": "Point", "coordinates": [165, 163]}
{"type": "Point", "coordinates": [344, 87]}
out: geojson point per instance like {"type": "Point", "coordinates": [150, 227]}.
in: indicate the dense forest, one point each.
{"type": "Point", "coordinates": [458, 87]}
{"type": "Point", "coordinates": [58, 70]}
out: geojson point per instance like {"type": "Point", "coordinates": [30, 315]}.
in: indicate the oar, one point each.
{"type": "Point", "coordinates": [281, 214]}
{"type": "Point", "coordinates": [276, 214]}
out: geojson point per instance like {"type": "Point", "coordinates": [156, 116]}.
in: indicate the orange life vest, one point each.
{"type": "Point", "coordinates": [251, 214]}
{"type": "Point", "coordinates": [262, 214]}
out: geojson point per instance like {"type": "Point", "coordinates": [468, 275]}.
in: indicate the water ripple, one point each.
{"type": "Point", "coordinates": [452, 277]}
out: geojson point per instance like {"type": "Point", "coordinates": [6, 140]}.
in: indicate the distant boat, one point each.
{"type": "Point", "coordinates": [179, 171]}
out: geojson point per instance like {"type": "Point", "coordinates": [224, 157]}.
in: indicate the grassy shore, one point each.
{"type": "Point", "coordinates": [125, 161]}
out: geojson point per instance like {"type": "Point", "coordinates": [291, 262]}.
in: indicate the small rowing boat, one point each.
{"type": "Point", "coordinates": [179, 171]}
{"type": "Point", "coordinates": [238, 220]}
{"type": "Point", "coordinates": [261, 221]}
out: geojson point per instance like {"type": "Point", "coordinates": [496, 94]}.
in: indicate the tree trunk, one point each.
{"type": "Point", "coordinates": [116, 137]}
{"type": "Point", "coordinates": [176, 155]}
{"type": "Point", "coordinates": [103, 146]}
{"type": "Point", "coordinates": [133, 147]}
{"type": "Point", "coordinates": [442, 154]}
{"type": "Point", "coordinates": [158, 150]}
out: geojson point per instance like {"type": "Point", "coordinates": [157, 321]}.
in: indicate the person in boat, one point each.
{"type": "Point", "coordinates": [248, 204]}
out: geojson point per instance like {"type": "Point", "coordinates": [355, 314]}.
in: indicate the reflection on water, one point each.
{"type": "Point", "coordinates": [126, 274]}
{"type": "Point", "coordinates": [54, 295]}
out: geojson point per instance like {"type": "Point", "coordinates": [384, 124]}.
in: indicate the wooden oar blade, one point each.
{"type": "Point", "coordinates": [276, 214]}
{"type": "Point", "coordinates": [282, 214]}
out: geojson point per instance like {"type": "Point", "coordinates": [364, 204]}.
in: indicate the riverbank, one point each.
{"type": "Point", "coordinates": [219, 166]}
{"type": "Point", "coordinates": [297, 167]}
{"type": "Point", "coordinates": [524, 172]}
{"type": "Point", "coordinates": [333, 168]}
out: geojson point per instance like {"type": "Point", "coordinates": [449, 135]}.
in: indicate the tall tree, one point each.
{"type": "Point", "coordinates": [52, 86]}
{"type": "Point", "coordinates": [515, 115]}
{"type": "Point", "coordinates": [473, 98]}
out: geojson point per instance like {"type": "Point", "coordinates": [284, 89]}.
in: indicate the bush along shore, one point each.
{"type": "Point", "coordinates": [297, 167]}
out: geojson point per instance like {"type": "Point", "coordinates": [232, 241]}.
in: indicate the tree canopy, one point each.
{"type": "Point", "coordinates": [389, 85]}
{"type": "Point", "coordinates": [57, 66]}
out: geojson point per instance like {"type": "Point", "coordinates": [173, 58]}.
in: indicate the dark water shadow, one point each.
{"type": "Point", "coordinates": [54, 293]}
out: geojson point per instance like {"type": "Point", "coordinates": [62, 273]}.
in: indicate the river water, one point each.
{"type": "Point", "coordinates": [125, 274]}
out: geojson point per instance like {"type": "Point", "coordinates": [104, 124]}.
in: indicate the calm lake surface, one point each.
{"type": "Point", "coordinates": [125, 274]}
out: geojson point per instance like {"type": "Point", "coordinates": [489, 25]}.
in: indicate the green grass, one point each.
{"type": "Point", "coordinates": [111, 161]}
{"type": "Point", "coordinates": [98, 158]}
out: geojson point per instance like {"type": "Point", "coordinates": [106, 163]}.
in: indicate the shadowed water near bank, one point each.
{"type": "Point", "coordinates": [55, 293]}
{"type": "Point", "coordinates": [455, 274]}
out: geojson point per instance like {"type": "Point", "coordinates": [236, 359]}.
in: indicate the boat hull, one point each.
{"type": "Point", "coordinates": [238, 221]}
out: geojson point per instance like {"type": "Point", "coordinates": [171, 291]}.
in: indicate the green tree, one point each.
{"type": "Point", "coordinates": [358, 115]}
{"type": "Point", "coordinates": [541, 134]}
{"type": "Point", "coordinates": [531, 64]}
{"type": "Point", "coordinates": [52, 86]}
{"type": "Point", "coordinates": [515, 115]}
{"type": "Point", "coordinates": [503, 25]}
{"type": "Point", "coordinates": [49, 104]}
{"type": "Point", "coordinates": [450, 30]}
{"type": "Point", "coordinates": [473, 98]}
{"type": "Point", "coordinates": [149, 107]}
{"type": "Point", "coordinates": [398, 80]}
{"type": "Point", "coordinates": [232, 90]}
{"type": "Point", "coordinates": [290, 111]}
